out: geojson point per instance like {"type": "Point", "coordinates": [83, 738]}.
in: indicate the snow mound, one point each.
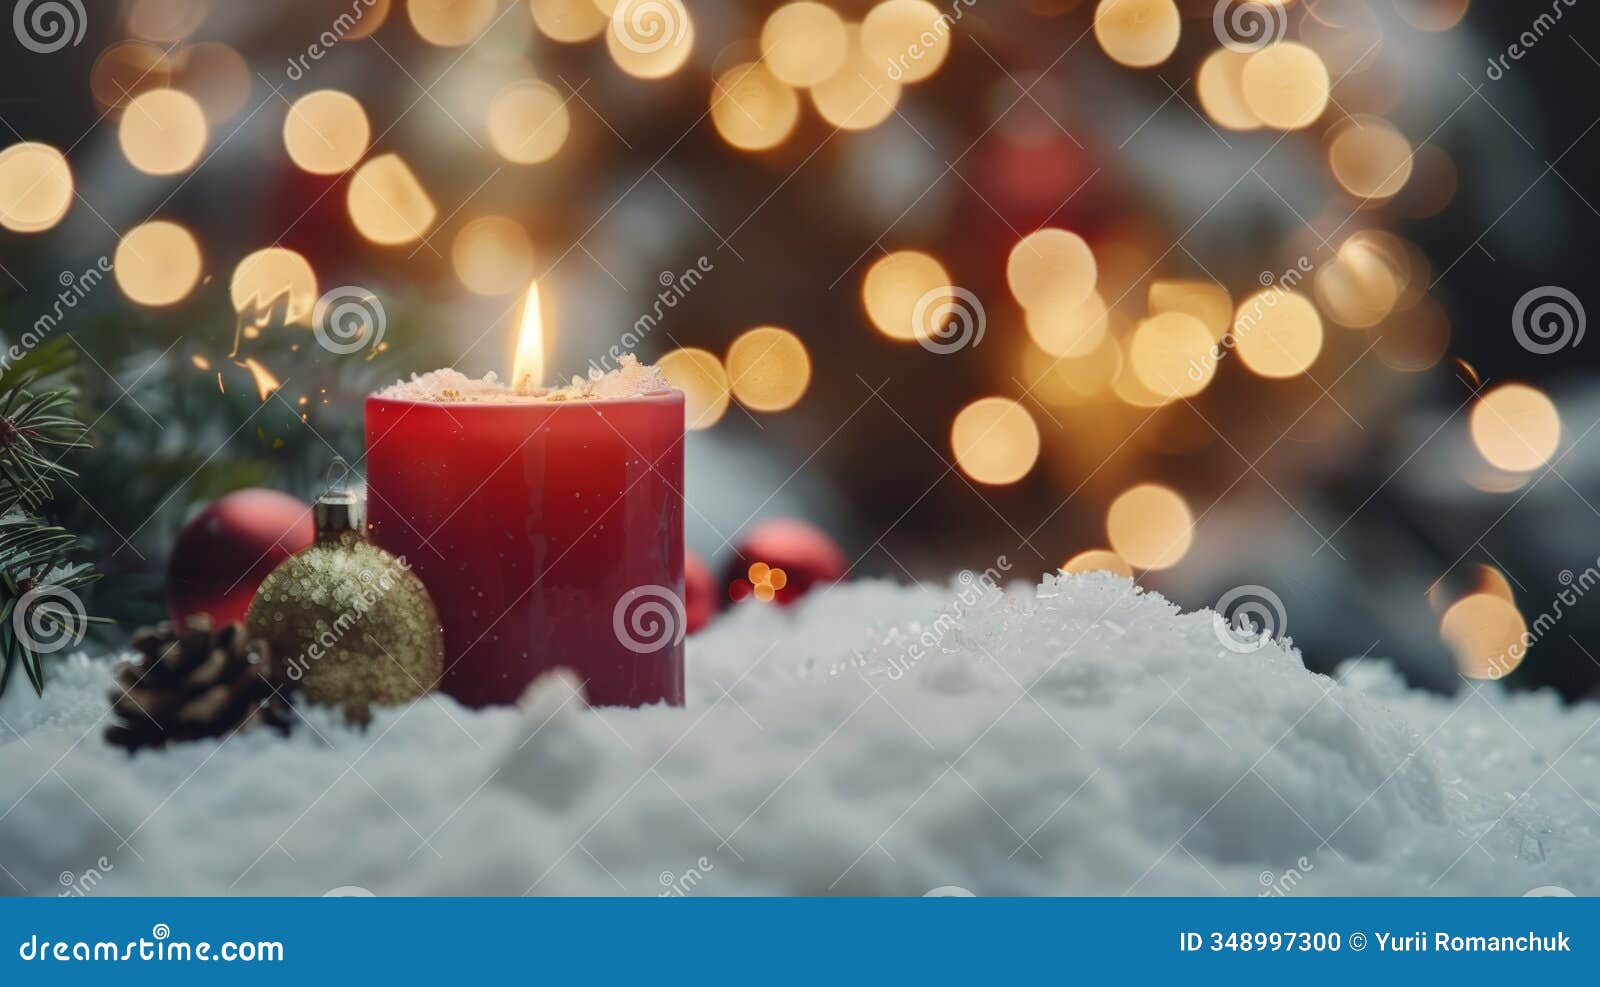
{"type": "Point", "coordinates": [630, 379]}
{"type": "Point", "coordinates": [1080, 737]}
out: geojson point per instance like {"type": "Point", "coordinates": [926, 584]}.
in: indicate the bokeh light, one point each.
{"type": "Point", "coordinates": [911, 38]}
{"type": "Point", "coordinates": [1286, 85]}
{"type": "Point", "coordinates": [804, 43]}
{"type": "Point", "coordinates": [650, 39]}
{"type": "Point", "coordinates": [326, 132]}
{"type": "Point", "coordinates": [1220, 87]}
{"type": "Point", "coordinates": [126, 69]}
{"type": "Point", "coordinates": [768, 369]}
{"type": "Point", "coordinates": [1071, 380]}
{"type": "Point", "coordinates": [1051, 269]}
{"type": "Point", "coordinates": [1415, 339]}
{"type": "Point", "coordinates": [1069, 330]}
{"type": "Point", "coordinates": [271, 277]}
{"type": "Point", "coordinates": [166, 21]}
{"type": "Point", "coordinates": [1150, 526]}
{"type": "Point", "coordinates": [528, 122]}
{"type": "Point", "coordinates": [1432, 15]}
{"type": "Point", "coordinates": [1370, 158]}
{"type": "Point", "coordinates": [1516, 427]}
{"type": "Point", "coordinates": [1277, 333]}
{"type": "Point", "coordinates": [163, 131]}
{"type": "Point", "coordinates": [1358, 287]}
{"type": "Point", "coordinates": [493, 255]}
{"type": "Point", "coordinates": [387, 203]}
{"type": "Point", "coordinates": [1485, 631]}
{"type": "Point", "coordinates": [157, 263]}
{"type": "Point", "coordinates": [1137, 33]}
{"type": "Point", "coordinates": [450, 23]}
{"type": "Point", "coordinates": [569, 21]}
{"type": "Point", "coordinates": [859, 95]}
{"type": "Point", "coordinates": [1205, 300]}
{"type": "Point", "coordinates": [753, 109]}
{"type": "Point", "coordinates": [995, 441]}
{"type": "Point", "coordinates": [1169, 353]}
{"type": "Point", "coordinates": [704, 383]}
{"type": "Point", "coordinates": [1098, 560]}
{"type": "Point", "coordinates": [217, 77]}
{"type": "Point", "coordinates": [35, 187]}
{"type": "Point", "coordinates": [897, 284]}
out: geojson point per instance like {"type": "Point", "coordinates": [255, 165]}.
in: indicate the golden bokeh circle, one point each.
{"type": "Point", "coordinates": [1171, 354]}
{"type": "Point", "coordinates": [271, 277]}
{"type": "Point", "coordinates": [1137, 33]}
{"type": "Point", "coordinates": [157, 263]}
{"type": "Point", "coordinates": [896, 284]}
{"type": "Point", "coordinates": [387, 204]}
{"type": "Point", "coordinates": [649, 39]}
{"type": "Point", "coordinates": [1205, 300]}
{"type": "Point", "coordinates": [804, 43]}
{"type": "Point", "coordinates": [35, 187]}
{"type": "Point", "coordinates": [1370, 158]}
{"type": "Point", "coordinates": [1486, 633]}
{"type": "Point", "coordinates": [704, 383]}
{"type": "Point", "coordinates": [768, 369]}
{"type": "Point", "coordinates": [1150, 526]}
{"type": "Point", "coordinates": [528, 122]}
{"type": "Point", "coordinates": [1098, 560]}
{"type": "Point", "coordinates": [126, 69]}
{"type": "Point", "coordinates": [1516, 427]}
{"type": "Point", "coordinates": [569, 21]}
{"type": "Point", "coordinates": [1220, 87]}
{"type": "Point", "coordinates": [326, 132]}
{"type": "Point", "coordinates": [860, 95]}
{"type": "Point", "coordinates": [166, 21]}
{"type": "Point", "coordinates": [493, 255]}
{"type": "Point", "coordinates": [753, 109]}
{"type": "Point", "coordinates": [1277, 333]}
{"type": "Point", "coordinates": [450, 23]}
{"type": "Point", "coordinates": [1286, 85]}
{"type": "Point", "coordinates": [1051, 269]}
{"type": "Point", "coordinates": [1069, 330]}
{"type": "Point", "coordinates": [995, 441]}
{"type": "Point", "coordinates": [216, 75]}
{"type": "Point", "coordinates": [910, 39]}
{"type": "Point", "coordinates": [163, 131]}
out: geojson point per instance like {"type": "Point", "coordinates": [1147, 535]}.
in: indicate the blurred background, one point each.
{"type": "Point", "coordinates": [1274, 294]}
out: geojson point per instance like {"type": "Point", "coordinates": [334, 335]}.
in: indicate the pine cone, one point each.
{"type": "Point", "coordinates": [197, 682]}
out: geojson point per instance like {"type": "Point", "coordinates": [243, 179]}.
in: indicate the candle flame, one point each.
{"type": "Point", "coordinates": [528, 370]}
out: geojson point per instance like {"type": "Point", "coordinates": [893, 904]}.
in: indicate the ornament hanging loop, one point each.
{"type": "Point", "coordinates": [338, 509]}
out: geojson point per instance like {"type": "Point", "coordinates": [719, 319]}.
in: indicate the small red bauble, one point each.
{"type": "Point", "coordinates": [224, 553]}
{"type": "Point", "coordinates": [699, 592]}
{"type": "Point", "coordinates": [781, 560]}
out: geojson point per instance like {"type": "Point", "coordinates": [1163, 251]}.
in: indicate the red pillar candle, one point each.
{"type": "Point", "coordinates": [548, 528]}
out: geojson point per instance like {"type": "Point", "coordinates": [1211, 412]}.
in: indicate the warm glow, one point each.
{"type": "Point", "coordinates": [35, 187]}
{"type": "Point", "coordinates": [1220, 86]}
{"type": "Point", "coordinates": [450, 23]}
{"type": "Point", "coordinates": [1432, 15]}
{"type": "Point", "coordinates": [157, 263]}
{"type": "Point", "coordinates": [704, 383]}
{"type": "Point", "coordinates": [860, 95]}
{"type": "Point", "coordinates": [1205, 300]}
{"type": "Point", "coordinates": [649, 39]}
{"type": "Point", "coordinates": [271, 277]}
{"type": "Point", "coordinates": [528, 122]}
{"type": "Point", "coordinates": [1516, 427]}
{"type": "Point", "coordinates": [1485, 631]}
{"type": "Point", "coordinates": [1069, 330]}
{"type": "Point", "coordinates": [370, 15]}
{"type": "Point", "coordinates": [995, 441]}
{"type": "Point", "coordinates": [1098, 560]}
{"type": "Point", "coordinates": [527, 369]}
{"type": "Point", "coordinates": [326, 132]}
{"type": "Point", "coordinates": [1277, 334]}
{"type": "Point", "coordinates": [768, 369]}
{"type": "Point", "coordinates": [897, 284]}
{"type": "Point", "coordinates": [1051, 269]}
{"type": "Point", "coordinates": [804, 43]}
{"type": "Point", "coordinates": [1415, 339]}
{"type": "Point", "coordinates": [1150, 526]}
{"type": "Point", "coordinates": [569, 21]}
{"type": "Point", "coordinates": [166, 21]}
{"type": "Point", "coordinates": [1137, 33]}
{"type": "Point", "coordinates": [1358, 287]}
{"type": "Point", "coordinates": [910, 38]}
{"type": "Point", "coordinates": [1071, 380]}
{"type": "Point", "coordinates": [214, 74]}
{"type": "Point", "coordinates": [1286, 85]}
{"type": "Point", "coordinates": [1370, 158]}
{"type": "Point", "coordinates": [126, 69]}
{"type": "Point", "coordinates": [753, 109]}
{"type": "Point", "coordinates": [1169, 353]}
{"type": "Point", "coordinates": [387, 203]}
{"type": "Point", "coordinates": [163, 132]}
{"type": "Point", "coordinates": [492, 255]}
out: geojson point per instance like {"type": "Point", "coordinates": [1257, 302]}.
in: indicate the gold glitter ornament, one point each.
{"type": "Point", "coordinates": [353, 623]}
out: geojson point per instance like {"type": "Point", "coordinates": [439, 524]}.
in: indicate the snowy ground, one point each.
{"type": "Point", "coordinates": [1084, 738]}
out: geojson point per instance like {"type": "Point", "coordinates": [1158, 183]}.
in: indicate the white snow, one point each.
{"type": "Point", "coordinates": [1078, 738]}
{"type": "Point", "coordinates": [629, 379]}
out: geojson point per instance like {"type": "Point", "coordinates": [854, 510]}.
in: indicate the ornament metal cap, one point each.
{"type": "Point", "coordinates": [338, 509]}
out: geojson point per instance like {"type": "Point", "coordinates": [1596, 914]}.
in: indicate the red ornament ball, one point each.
{"type": "Point", "coordinates": [780, 560]}
{"type": "Point", "coordinates": [226, 550]}
{"type": "Point", "coordinates": [699, 592]}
